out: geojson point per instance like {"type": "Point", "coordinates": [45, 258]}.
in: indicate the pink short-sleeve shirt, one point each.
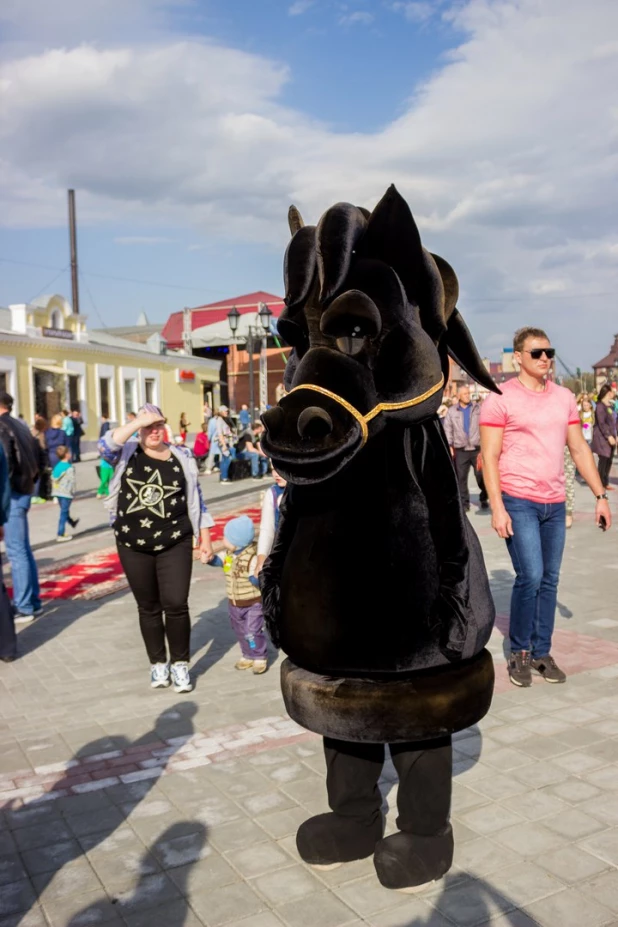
{"type": "Point", "coordinates": [535, 431]}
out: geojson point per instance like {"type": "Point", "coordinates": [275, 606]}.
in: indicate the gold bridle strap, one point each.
{"type": "Point", "coordinates": [381, 407]}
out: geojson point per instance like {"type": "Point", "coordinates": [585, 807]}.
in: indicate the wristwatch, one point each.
{"type": "Point", "coordinates": [603, 496]}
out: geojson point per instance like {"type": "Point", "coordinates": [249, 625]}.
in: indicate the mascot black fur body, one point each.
{"type": "Point", "coordinates": [376, 587]}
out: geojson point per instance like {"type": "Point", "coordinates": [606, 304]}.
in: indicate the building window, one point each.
{"type": "Point", "coordinates": [130, 396]}
{"type": "Point", "coordinates": [4, 386]}
{"type": "Point", "coordinates": [149, 391]}
{"type": "Point", "coordinates": [56, 319]}
{"type": "Point", "coordinates": [50, 394]}
{"type": "Point", "coordinates": [104, 392]}
{"type": "Point", "coordinates": [74, 402]}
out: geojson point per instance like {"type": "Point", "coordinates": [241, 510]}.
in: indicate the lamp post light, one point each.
{"type": "Point", "coordinates": [253, 333]}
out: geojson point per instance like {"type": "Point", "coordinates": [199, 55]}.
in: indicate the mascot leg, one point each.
{"type": "Point", "coordinates": [422, 851]}
{"type": "Point", "coordinates": [355, 825]}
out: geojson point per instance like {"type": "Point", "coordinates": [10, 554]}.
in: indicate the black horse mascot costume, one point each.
{"type": "Point", "coordinates": [376, 587]}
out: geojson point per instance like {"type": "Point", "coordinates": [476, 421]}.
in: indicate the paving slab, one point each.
{"type": "Point", "coordinates": [119, 805]}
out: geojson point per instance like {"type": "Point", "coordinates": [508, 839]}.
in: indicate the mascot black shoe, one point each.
{"type": "Point", "coordinates": [375, 588]}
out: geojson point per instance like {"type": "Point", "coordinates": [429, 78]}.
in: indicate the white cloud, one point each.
{"type": "Point", "coordinates": [558, 285]}
{"type": "Point", "coordinates": [63, 22]}
{"type": "Point", "coordinates": [300, 7]}
{"type": "Point", "coordinates": [507, 154]}
{"type": "Point", "coordinates": [357, 18]}
{"type": "Point", "coordinates": [415, 12]}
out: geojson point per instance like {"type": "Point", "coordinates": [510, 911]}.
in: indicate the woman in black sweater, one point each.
{"type": "Point", "coordinates": [604, 435]}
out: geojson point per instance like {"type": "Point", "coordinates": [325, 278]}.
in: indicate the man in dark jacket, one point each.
{"type": "Point", "coordinates": [78, 431]}
{"type": "Point", "coordinates": [461, 426]}
{"type": "Point", "coordinates": [23, 462]}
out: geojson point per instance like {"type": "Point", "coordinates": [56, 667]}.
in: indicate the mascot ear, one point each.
{"type": "Point", "coordinates": [299, 267]}
{"type": "Point", "coordinates": [463, 350]}
{"type": "Point", "coordinates": [459, 342]}
{"type": "Point", "coordinates": [338, 233]}
{"type": "Point", "coordinates": [392, 237]}
{"type": "Point", "coordinates": [295, 220]}
{"type": "Point", "coordinates": [450, 284]}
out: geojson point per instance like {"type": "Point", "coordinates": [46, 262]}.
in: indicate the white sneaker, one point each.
{"type": "Point", "coordinates": [64, 537]}
{"type": "Point", "coordinates": [159, 675]}
{"type": "Point", "coordinates": [23, 618]}
{"type": "Point", "coordinates": [180, 677]}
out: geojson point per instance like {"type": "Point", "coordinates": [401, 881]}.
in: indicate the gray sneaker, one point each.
{"type": "Point", "coordinates": [548, 668]}
{"type": "Point", "coordinates": [519, 668]}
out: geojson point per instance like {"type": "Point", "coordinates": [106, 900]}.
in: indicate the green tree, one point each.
{"type": "Point", "coordinates": [581, 384]}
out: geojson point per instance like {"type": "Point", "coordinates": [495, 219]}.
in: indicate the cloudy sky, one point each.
{"type": "Point", "coordinates": [188, 126]}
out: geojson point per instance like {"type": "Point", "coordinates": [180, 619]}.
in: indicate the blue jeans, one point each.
{"type": "Point", "coordinates": [65, 507]}
{"type": "Point", "coordinates": [536, 549]}
{"type": "Point", "coordinates": [26, 591]}
{"type": "Point", "coordinates": [225, 462]}
{"type": "Point", "coordinates": [259, 464]}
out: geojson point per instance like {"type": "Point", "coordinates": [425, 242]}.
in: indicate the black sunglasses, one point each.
{"type": "Point", "coordinates": [538, 353]}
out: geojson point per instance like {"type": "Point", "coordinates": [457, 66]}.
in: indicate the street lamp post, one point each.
{"type": "Point", "coordinates": [254, 333]}
{"type": "Point", "coordinates": [264, 316]}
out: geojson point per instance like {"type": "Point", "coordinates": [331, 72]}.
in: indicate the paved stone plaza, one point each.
{"type": "Point", "coordinates": [121, 805]}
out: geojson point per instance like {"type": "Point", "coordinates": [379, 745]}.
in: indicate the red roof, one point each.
{"type": "Point", "coordinates": [216, 312]}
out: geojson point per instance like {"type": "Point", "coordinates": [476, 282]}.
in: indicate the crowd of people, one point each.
{"type": "Point", "coordinates": [149, 479]}
{"type": "Point", "coordinates": [597, 414]}
{"type": "Point", "coordinates": [228, 440]}
{"type": "Point", "coordinates": [526, 448]}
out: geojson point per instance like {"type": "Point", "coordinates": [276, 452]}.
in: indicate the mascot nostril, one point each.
{"type": "Point", "coordinates": [375, 586]}
{"type": "Point", "coordinates": [314, 423]}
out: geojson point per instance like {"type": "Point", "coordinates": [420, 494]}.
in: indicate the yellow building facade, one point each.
{"type": "Point", "coordinates": [49, 361]}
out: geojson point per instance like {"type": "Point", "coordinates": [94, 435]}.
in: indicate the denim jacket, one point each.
{"type": "Point", "coordinates": [118, 455]}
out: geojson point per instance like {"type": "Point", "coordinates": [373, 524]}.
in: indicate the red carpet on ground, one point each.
{"type": "Point", "coordinates": [98, 574]}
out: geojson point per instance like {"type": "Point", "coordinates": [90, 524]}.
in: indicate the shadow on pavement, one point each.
{"type": "Point", "coordinates": [213, 628]}
{"type": "Point", "coordinates": [59, 615]}
{"type": "Point", "coordinates": [89, 821]}
{"type": "Point", "coordinates": [464, 898]}
{"type": "Point", "coordinates": [175, 851]}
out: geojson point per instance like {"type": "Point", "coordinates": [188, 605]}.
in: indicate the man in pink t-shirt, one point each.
{"type": "Point", "coordinates": [523, 435]}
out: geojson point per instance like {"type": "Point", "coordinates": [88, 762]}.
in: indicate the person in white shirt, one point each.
{"type": "Point", "coordinates": [269, 520]}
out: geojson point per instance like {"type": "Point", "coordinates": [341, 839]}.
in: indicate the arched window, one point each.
{"type": "Point", "coordinates": [57, 319]}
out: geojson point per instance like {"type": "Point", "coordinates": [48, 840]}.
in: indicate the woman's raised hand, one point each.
{"type": "Point", "coordinates": [146, 419]}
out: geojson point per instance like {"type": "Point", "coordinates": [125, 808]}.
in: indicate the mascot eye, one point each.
{"type": "Point", "coordinates": [352, 343]}
{"type": "Point", "coordinates": [350, 319]}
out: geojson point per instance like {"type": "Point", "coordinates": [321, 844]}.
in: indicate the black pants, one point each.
{"type": "Point", "coordinates": [160, 584]}
{"type": "Point", "coordinates": [425, 771]}
{"type": "Point", "coordinates": [8, 638]}
{"type": "Point", "coordinates": [463, 461]}
{"type": "Point", "coordinates": [605, 465]}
